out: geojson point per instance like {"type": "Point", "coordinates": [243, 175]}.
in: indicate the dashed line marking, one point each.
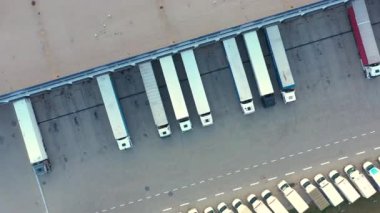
{"type": "Point", "coordinates": [282, 158]}
{"type": "Point", "coordinates": [158, 194]}
{"type": "Point", "coordinates": [237, 171]}
{"type": "Point", "coordinates": [342, 158]}
{"type": "Point", "coordinates": [360, 153]}
{"type": "Point", "coordinates": [219, 194]}
{"type": "Point", "coordinates": [104, 210]}
{"type": "Point", "coordinates": [184, 204]}
{"type": "Point", "coordinates": [193, 184]}
{"type": "Point", "coordinates": [336, 142]}
{"type": "Point", "coordinates": [364, 134]}
{"type": "Point", "coordinates": [372, 132]}
{"type": "Point", "coordinates": [219, 176]}
{"type": "Point", "coordinates": [131, 202]}
{"type": "Point", "coordinates": [376, 148]}
{"type": "Point", "coordinates": [272, 178]}
{"type": "Point", "coordinates": [139, 200]}
{"type": "Point", "coordinates": [246, 168]}
{"type": "Point", "coordinates": [183, 187]}
{"type": "Point", "coordinates": [318, 147]}
{"type": "Point", "coordinates": [346, 139]}
{"type": "Point", "coordinates": [265, 163]}
{"type": "Point", "coordinates": [175, 189]}
{"type": "Point", "coordinates": [326, 145]}
{"type": "Point", "coordinates": [121, 205]}
{"type": "Point", "coordinates": [255, 166]}
{"type": "Point", "coordinates": [299, 153]}
{"type": "Point", "coordinates": [112, 208]}
{"type": "Point", "coordinates": [272, 161]}
{"type": "Point", "coordinates": [325, 163]}
{"type": "Point", "coordinates": [307, 168]}
{"type": "Point", "coordinates": [148, 197]}
{"type": "Point", "coordinates": [202, 199]}
{"type": "Point", "coordinates": [210, 179]}
{"type": "Point", "coordinates": [166, 192]}
{"type": "Point", "coordinates": [167, 209]}
{"type": "Point", "coordinates": [309, 150]}
{"type": "Point", "coordinates": [236, 189]}
{"type": "Point", "coordinates": [289, 173]}
{"type": "Point", "coordinates": [202, 181]}
{"type": "Point", "coordinates": [291, 156]}
{"type": "Point", "coordinates": [255, 183]}
{"type": "Point", "coordinates": [354, 137]}
{"type": "Point", "coordinates": [229, 173]}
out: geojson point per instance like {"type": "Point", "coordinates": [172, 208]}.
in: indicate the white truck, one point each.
{"type": "Point", "coordinates": [32, 136]}
{"type": "Point", "coordinates": [293, 197]}
{"type": "Point", "coordinates": [240, 207]}
{"type": "Point", "coordinates": [154, 98]}
{"type": "Point", "coordinates": [316, 196]}
{"type": "Point", "coordinates": [196, 86]}
{"type": "Point", "coordinates": [274, 204]}
{"type": "Point", "coordinates": [259, 68]}
{"type": "Point", "coordinates": [282, 67]}
{"type": "Point", "coordinates": [258, 205]}
{"type": "Point", "coordinates": [344, 186]}
{"type": "Point", "coordinates": [373, 172]}
{"type": "Point", "coordinates": [329, 190]}
{"type": "Point", "coordinates": [360, 181]}
{"type": "Point", "coordinates": [175, 93]}
{"type": "Point", "coordinates": [238, 73]}
{"type": "Point", "coordinates": [114, 112]}
{"type": "Point", "coordinates": [364, 37]}
{"type": "Point", "coordinates": [223, 208]}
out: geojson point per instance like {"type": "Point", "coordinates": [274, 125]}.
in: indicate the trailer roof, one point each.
{"type": "Point", "coordinates": [47, 40]}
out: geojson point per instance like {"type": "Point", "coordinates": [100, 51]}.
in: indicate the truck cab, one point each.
{"type": "Point", "coordinates": [42, 167]}
{"type": "Point", "coordinates": [223, 208]}
{"type": "Point", "coordinates": [257, 204]}
{"type": "Point", "coordinates": [274, 204]}
{"type": "Point", "coordinates": [372, 71]}
{"type": "Point", "coordinates": [373, 172]}
{"type": "Point", "coordinates": [329, 190]}
{"type": "Point", "coordinates": [240, 207]}
{"type": "Point", "coordinates": [344, 186]}
{"type": "Point", "coordinates": [288, 95]}
{"type": "Point", "coordinates": [360, 181]}
{"type": "Point", "coordinates": [293, 197]}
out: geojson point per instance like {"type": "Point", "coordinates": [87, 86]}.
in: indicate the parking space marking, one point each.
{"type": "Point", "coordinates": [342, 158]}
{"type": "Point", "coordinates": [219, 194]}
{"type": "Point", "coordinates": [254, 184]}
{"type": "Point", "coordinates": [236, 189]}
{"type": "Point", "coordinates": [272, 178]}
{"type": "Point", "coordinates": [360, 153]}
{"type": "Point", "coordinates": [202, 199]}
{"type": "Point", "coordinates": [325, 163]}
{"type": "Point", "coordinates": [307, 168]}
{"type": "Point", "coordinates": [167, 209]}
{"type": "Point", "coordinates": [289, 173]}
{"type": "Point", "coordinates": [184, 204]}
{"type": "Point", "coordinates": [376, 148]}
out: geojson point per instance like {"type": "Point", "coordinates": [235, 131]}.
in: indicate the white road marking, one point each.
{"type": "Point", "coordinates": [202, 181]}
{"type": "Point", "coordinates": [219, 176]}
{"type": "Point", "coordinates": [121, 205]}
{"type": "Point", "coordinates": [336, 142]}
{"type": "Point", "coordinates": [346, 139]}
{"type": "Point", "coordinates": [272, 161]}
{"type": "Point", "coordinates": [307, 168]}
{"type": "Point", "coordinates": [183, 187]}
{"type": "Point", "coordinates": [354, 137]}
{"type": "Point", "coordinates": [236, 189]}
{"type": "Point", "coordinates": [184, 204]}
{"type": "Point", "coordinates": [325, 163]}
{"type": "Point", "coordinates": [376, 148]}
{"type": "Point", "coordinates": [158, 194]}
{"type": "Point", "coordinates": [237, 171]}
{"type": "Point", "coordinates": [148, 197]}
{"type": "Point", "coordinates": [291, 156]}
{"type": "Point", "coordinates": [104, 210]}
{"type": "Point", "coordinates": [309, 150]}
{"type": "Point", "coordinates": [167, 209]}
{"type": "Point", "coordinates": [265, 163]}
{"type": "Point", "coordinates": [282, 158]}
{"type": "Point", "coordinates": [193, 184]}
{"type": "Point", "coordinates": [175, 189]}
{"type": "Point", "coordinates": [246, 168]}
{"type": "Point", "coordinates": [112, 208]}
{"type": "Point", "coordinates": [364, 134]}
{"type": "Point", "coordinates": [42, 193]}
{"type": "Point", "coordinates": [318, 147]}
{"type": "Point", "coordinates": [254, 166]}
{"type": "Point", "coordinates": [139, 200]}
{"type": "Point", "coordinates": [201, 199]}
{"type": "Point", "coordinates": [372, 132]}
{"type": "Point", "coordinates": [360, 153]}
{"type": "Point", "coordinates": [272, 178]}
{"type": "Point", "coordinates": [255, 183]}
{"type": "Point", "coordinates": [326, 145]}
{"type": "Point", "coordinates": [342, 158]}
{"type": "Point", "coordinates": [300, 153]}
{"type": "Point", "coordinates": [131, 202]}
{"type": "Point", "coordinates": [219, 194]}
{"type": "Point", "coordinates": [229, 173]}
{"type": "Point", "coordinates": [289, 173]}
{"type": "Point", "coordinates": [211, 179]}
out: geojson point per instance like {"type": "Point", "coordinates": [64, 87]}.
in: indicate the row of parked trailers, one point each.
{"type": "Point", "coordinates": [364, 38]}
{"type": "Point", "coordinates": [323, 193]}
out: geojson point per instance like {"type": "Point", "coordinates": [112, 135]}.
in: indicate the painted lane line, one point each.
{"type": "Point", "coordinates": [342, 158]}
{"type": "Point", "coordinates": [309, 150]}
{"type": "Point", "coordinates": [272, 161]}
{"type": "Point", "coordinates": [167, 209]}
{"type": "Point", "coordinates": [291, 156]}
{"type": "Point", "coordinates": [139, 200]}
{"type": "Point", "coordinates": [282, 158]}
{"type": "Point", "coordinates": [360, 153]}
{"type": "Point", "coordinates": [183, 187]}
{"type": "Point", "coordinates": [354, 137]}
{"type": "Point", "coordinates": [210, 179]}
{"type": "Point", "coordinates": [237, 171]}
{"type": "Point", "coordinates": [326, 145]}
{"type": "Point", "coordinates": [158, 194]}
{"type": "Point", "coordinates": [265, 163]}
{"type": "Point", "coordinates": [166, 192]}
{"type": "Point", "coordinates": [184, 204]}
{"type": "Point", "coordinates": [121, 205]}
{"type": "Point", "coordinates": [346, 139]}
{"type": "Point", "coordinates": [202, 199]}
{"type": "Point", "coordinates": [219, 176]}
{"type": "Point", "coordinates": [236, 189]}
{"type": "Point", "coordinates": [175, 189]}
{"type": "Point", "coordinates": [255, 166]}
{"type": "Point", "coordinates": [131, 202]}
{"type": "Point", "coordinates": [104, 210]}
{"type": "Point", "coordinates": [112, 208]}
{"type": "Point", "coordinates": [272, 178]}
{"type": "Point", "coordinates": [299, 153]}
{"type": "Point", "coordinates": [376, 148]}
{"type": "Point", "coordinates": [289, 173]}
{"type": "Point", "coordinates": [229, 173]}
{"type": "Point", "coordinates": [307, 168]}
{"type": "Point", "coordinates": [255, 183]}
{"type": "Point", "coordinates": [193, 184]}
{"type": "Point", "coordinates": [336, 142]}
{"type": "Point", "coordinates": [219, 194]}
{"type": "Point", "coordinates": [202, 181]}
{"type": "Point", "coordinates": [372, 132]}
{"type": "Point", "coordinates": [318, 147]}
{"type": "Point", "coordinates": [364, 134]}
{"type": "Point", "coordinates": [325, 163]}
{"type": "Point", "coordinates": [246, 168]}
{"type": "Point", "coordinates": [148, 197]}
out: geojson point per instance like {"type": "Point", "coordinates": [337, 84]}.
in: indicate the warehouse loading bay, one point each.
{"type": "Point", "coordinates": [334, 122]}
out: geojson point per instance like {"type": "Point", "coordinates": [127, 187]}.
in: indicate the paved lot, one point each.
{"type": "Point", "coordinates": [335, 116]}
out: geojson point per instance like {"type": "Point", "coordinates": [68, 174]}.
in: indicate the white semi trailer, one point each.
{"type": "Point", "coordinates": [114, 112]}
{"type": "Point", "coordinates": [175, 93]}
{"type": "Point", "coordinates": [282, 67]}
{"type": "Point", "coordinates": [154, 98]}
{"type": "Point", "coordinates": [32, 136]}
{"type": "Point", "coordinates": [238, 73]}
{"type": "Point", "coordinates": [197, 89]}
{"type": "Point", "coordinates": [364, 37]}
{"type": "Point", "coordinates": [259, 68]}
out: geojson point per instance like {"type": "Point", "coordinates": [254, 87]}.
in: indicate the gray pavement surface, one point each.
{"type": "Point", "coordinates": [335, 116]}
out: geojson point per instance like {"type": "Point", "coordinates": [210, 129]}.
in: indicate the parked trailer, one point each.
{"type": "Point", "coordinates": [259, 68]}
{"type": "Point", "coordinates": [329, 190]}
{"type": "Point", "coordinates": [32, 136]}
{"type": "Point", "coordinates": [344, 186]}
{"type": "Point", "coordinates": [293, 197]}
{"type": "Point", "coordinates": [364, 38]}
{"type": "Point", "coordinates": [238, 73]}
{"type": "Point", "coordinates": [315, 195]}
{"type": "Point", "coordinates": [360, 181]}
{"type": "Point", "coordinates": [154, 98]}
{"type": "Point", "coordinates": [175, 93]}
{"type": "Point", "coordinates": [282, 67]}
{"type": "Point", "coordinates": [114, 113]}
{"type": "Point", "coordinates": [197, 89]}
